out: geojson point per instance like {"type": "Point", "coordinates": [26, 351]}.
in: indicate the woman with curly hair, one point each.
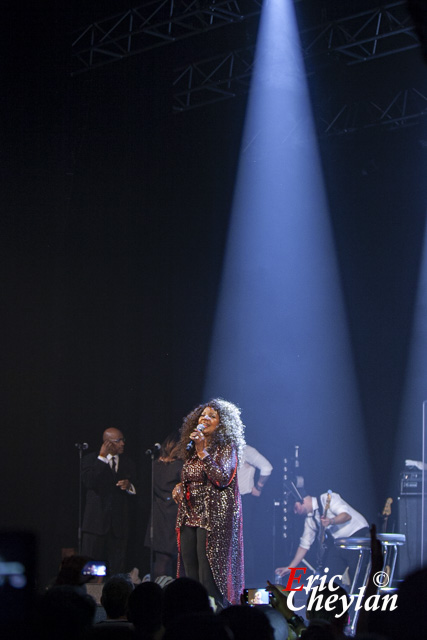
{"type": "Point", "coordinates": [209, 521]}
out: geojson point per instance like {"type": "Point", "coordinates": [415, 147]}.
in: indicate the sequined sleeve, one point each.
{"type": "Point", "coordinates": [221, 467]}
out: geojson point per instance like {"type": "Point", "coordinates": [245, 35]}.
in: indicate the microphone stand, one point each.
{"type": "Point", "coordinates": [152, 453]}
{"type": "Point", "coordinates": [276, 503]}
{"type": "Point", "coordinates": [81, 446]}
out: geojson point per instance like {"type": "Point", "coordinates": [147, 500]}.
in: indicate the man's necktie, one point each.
{"type": "Point", "coordinates": [113, 464]}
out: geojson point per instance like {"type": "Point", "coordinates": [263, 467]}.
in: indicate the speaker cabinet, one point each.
{"type": "Point", "coordinates": [409, 521]}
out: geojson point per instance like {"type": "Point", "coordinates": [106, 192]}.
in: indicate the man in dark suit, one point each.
{"type": "Point", "coordinates": [109, 480]}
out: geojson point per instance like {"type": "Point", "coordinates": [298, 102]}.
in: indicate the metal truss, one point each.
{"type": "Point", "coordinates": [358, 38]}
{"type": "Point", "coordinates": [214, 79]}
{"type": "Point", "coordinates": [364, 36]}
{"type": "Point", "coordinates": [153, 24]}
{"type": "Point", "coordinates": [223, 77]}
{"type": "Point", "coordinates": [404, 109]}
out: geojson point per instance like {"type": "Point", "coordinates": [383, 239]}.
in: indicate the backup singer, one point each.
{"type": "Point", "coordinates": [109, 478]}
{"type": "Point", "coordinates": [209, 521]}
{"type": "Point", "coordinates": [254, 513]}
{"type": "Point", "coordinates": [166, 473]}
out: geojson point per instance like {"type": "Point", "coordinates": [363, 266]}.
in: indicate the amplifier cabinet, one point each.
{"type": "Point", "coordinates": [409, 523]}
{"type": "Point", "coordinates": [411, 483]}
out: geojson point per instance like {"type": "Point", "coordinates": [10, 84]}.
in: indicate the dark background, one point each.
{"type": "Point", "coordinates": [113, 224]}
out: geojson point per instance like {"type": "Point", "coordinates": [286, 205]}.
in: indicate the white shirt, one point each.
{"type": "Point", "coordinates": [108, 460]}
{"type": "Point", "coordinates": [252, 460]}
{"type": "Point", "coordinates": [337, 506]}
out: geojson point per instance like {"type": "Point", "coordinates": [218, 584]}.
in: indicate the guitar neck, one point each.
{"type": "Point", "coordinates": [321, 527]}
{"type": "Point", "coordinates": [386, 513]}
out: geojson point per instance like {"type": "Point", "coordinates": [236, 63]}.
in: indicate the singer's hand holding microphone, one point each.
{"type": "Point", "coordinates": [197, 439]}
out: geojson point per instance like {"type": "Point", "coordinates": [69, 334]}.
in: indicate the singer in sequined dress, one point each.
{"type": "Point", "coordinates": [209, 521]}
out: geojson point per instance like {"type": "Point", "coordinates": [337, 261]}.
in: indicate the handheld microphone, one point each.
{"type": "Point", "coordinates": [200, 427]}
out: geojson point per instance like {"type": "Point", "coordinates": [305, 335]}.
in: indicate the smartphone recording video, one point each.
{"type": "Point", "coordinates": [18, 553]}
{"type": "Point", "coordinates": [95, 569]}
{"type": "Point", "coordinates": [256, 596]}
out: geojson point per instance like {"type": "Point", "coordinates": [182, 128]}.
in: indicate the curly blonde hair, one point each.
{"type": "Point", "coordinates": [230, 429]}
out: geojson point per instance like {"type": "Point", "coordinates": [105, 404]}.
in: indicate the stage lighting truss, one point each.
{"type": "Point", "coordinates": [153, 24]}
{"type": "Point", "coordinates": [214, 79]}
{"type": "Point", "coordinates": [403, 109]}
{"type": "Point", "coordinates": [226, 76]}
{"type": "Point", "coordinates": [358, 38]}
{"type": "Point", "coordinates": [363, 36]}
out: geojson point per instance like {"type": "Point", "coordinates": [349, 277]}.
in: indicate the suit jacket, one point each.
{"type": "Point", "coordinates": [107, 506]}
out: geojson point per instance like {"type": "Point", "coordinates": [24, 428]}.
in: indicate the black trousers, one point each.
{"type": "Point", "coordinates": [106, 548]}
{"type": "Point", "coordinates": [249, 505]}
{"type": "Point", "coordinates": [196, 564]}
{"type": "Point", "coordinates": [339, 559]}
{"type": "Point", "coordinates": [164, 564]}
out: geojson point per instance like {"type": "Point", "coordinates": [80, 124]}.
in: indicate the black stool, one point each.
{"type": "Point", "coordinates": [390, 543]}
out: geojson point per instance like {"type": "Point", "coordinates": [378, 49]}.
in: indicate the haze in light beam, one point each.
{"type": "Point", "coordinates": [280, 345]}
